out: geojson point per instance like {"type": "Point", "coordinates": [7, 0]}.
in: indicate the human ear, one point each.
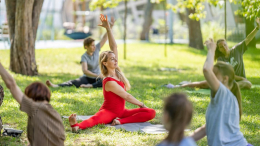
{"type": "Point", "coordinates": [225, 79]}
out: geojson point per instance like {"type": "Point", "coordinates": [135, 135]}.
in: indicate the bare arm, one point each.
{"type": "Point", "coordinates": [111, 39]}
{"type": "Point", "coordinates": [253, 33]}
{"type": "Point", "coordinates": [118, 90]}
{"type": "Point", "coordinates": [209, 75]}
{"type": "Point", "coordinates": [11, 84]}
{"type": "Point", "coordinates": [86, 71]}
{"type": "Point", "coordinates": [104, 38]}
{"type": "Point", "coordinates": [199, 133]}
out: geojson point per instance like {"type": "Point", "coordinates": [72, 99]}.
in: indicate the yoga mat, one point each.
{"type": "Point", "coordinates": [145, 127]}
{"type": "Point", "coordinates": [200, 91]}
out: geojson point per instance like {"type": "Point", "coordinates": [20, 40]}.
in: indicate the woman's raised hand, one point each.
{"type": "Point", "coordinates": [211, 45]}
{"type": "Point", "coordinates": [104, 22]}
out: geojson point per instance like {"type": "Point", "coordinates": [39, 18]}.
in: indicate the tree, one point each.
{"type": "Point", "coordinates": [147, 20]}
{"type": "Point", "coordinates": [23, 19]}
{"type": "Point", "coordinates": [195, 11]}
{"type": "Point", "coordinates": [195, 35]}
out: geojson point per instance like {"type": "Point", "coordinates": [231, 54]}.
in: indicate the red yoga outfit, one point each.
{"type": "Point", "coordinates": [114, 107]}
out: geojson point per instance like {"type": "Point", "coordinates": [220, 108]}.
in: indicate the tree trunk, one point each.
{"type": "Point", "coordinates": [23, 19]}
{"type": "Point", "coordinates": [147, 20]}
{"type": "Point", "coordinates": [195, 35]}
{"type": "Point", "coordinates": [249, 28]}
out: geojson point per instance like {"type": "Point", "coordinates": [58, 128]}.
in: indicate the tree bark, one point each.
{"type": "Point", "coordinates": [249, 28]}
{"type": "Point", "coordinates": [147, 20]}
{"type": "Point", "coordinates": [23, 19]}
{"type": "Point", "coordinates": [195, 35]}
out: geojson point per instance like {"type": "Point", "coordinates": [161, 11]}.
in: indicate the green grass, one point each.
{"type": "Point", "coordinates": [142, 69]}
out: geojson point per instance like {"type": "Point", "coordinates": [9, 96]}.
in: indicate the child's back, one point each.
{"type": "Point", "coordinates": [222, 119]}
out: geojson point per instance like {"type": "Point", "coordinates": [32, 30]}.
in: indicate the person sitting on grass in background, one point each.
{"type": "Point", "coordinates": [177, 115]}
{"type": "Point", "coordinates": [115, 85]}
{"type": "Point", "coordinates": [234, 57]}
{"type": "Point", "coordinates": [44, 127]}
{"type": "Point", "coordinates": [224, 110]}
{"type": "Point", "coordinates": [89, 63]}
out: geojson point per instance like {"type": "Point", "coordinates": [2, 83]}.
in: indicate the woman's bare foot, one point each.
{"type": "Point", "coordinates": [86, 86]}
{"type": "Point", "coordinates": [49, 84]}
{"type": "Point", "coordinates": [115, 122]}
{"type": "Point", "coordinates": [73, 121]}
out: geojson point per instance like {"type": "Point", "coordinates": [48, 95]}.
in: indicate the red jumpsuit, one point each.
{"type": "Point", "coordinates": [114, 107]}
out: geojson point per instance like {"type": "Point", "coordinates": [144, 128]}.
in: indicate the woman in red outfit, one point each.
{"type": "Point", "coordinates": [115, 85]}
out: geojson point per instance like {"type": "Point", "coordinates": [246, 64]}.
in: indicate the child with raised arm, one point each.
{"type": "Point", "coordinates": [225, 109]}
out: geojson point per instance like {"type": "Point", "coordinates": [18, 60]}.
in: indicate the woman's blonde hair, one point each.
{"type": "Point", "coordinates": [103, 58]}
{"type": "Point", "coordinates": [227, 70]}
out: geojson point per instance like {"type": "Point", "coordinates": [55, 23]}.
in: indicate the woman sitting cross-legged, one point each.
{"type": "Point", "coordinates": [44, 127]}
{"type": "Point", "coordinates": [234, 57]}
{"type": "Point", "coordinates": [115, 85]}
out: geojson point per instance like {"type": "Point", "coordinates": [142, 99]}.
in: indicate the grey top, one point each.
{"type": "Point", "coordinates": [187, 141]}
{"type": "Point", "coordinates": [222, 120]}
{"type": "Point", "coordinates": [236, 59]}
{"type": "Point", "coordinates": [92, 61]}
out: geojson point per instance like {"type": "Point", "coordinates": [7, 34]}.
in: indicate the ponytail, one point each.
{"type": "Point", "coordinates": [236, 91]}
{"type": "Point", "coordinates": [180, 111]}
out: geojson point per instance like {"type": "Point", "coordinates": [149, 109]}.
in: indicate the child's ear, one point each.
{"type": "Point", "coordinates": [226, 78]}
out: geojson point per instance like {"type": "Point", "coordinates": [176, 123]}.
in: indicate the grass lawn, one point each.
{"type": "Point", "coordinates": [142, 69]}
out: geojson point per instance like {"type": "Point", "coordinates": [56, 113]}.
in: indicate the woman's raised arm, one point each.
{"type": "Point", "coordinates": [111, 39]}
{"type": "Point", "coordinates": [253, 33]}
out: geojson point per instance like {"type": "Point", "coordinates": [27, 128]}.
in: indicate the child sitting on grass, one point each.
{"type": "Point", "coordinates": [177, 116]}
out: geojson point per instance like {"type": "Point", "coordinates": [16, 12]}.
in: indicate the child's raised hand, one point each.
{"type": "Point", "coordinates": [104, 21]}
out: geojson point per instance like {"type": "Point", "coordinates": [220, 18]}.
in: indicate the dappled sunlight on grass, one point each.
{"type": "Point", "coordinates": [143, 68]}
